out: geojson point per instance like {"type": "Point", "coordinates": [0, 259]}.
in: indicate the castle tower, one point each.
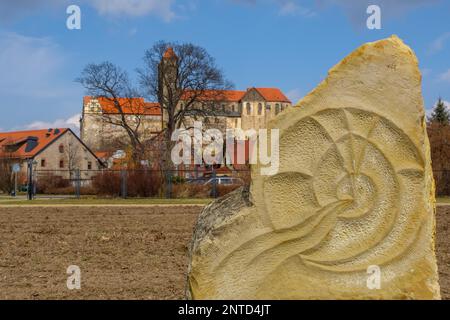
{"type": "Point", "coordinates": [168, 73]}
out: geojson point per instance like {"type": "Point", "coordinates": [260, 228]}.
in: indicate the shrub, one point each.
{"type": "Point", "coordinates": [187, 190]}
{"type": "Point", "coordinates": [225, 189]}
{"type": "Point", "coordinates": [107, 183]}
{"type": "Point", "coordinates": [49, 181]}
{"type": "Point", "coordinates": [139, 183]}
{"type": "Point", "coordinates": [144, 183]}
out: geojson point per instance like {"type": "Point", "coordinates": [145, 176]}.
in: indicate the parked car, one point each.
{"type": "Point", "coordinates": [224, 181]}
{"type": "Point", "coordinates": [198, 181]}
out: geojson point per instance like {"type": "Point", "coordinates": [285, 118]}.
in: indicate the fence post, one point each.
{"type": "Point", "coordinates": [168, 184]}
{"type": "Point", "coordinates": [123, 183]}
{"type": "Point", "coordinates": [30, 180]}
{"type": "Point", "coordinates": [214, 184]}
{"type": "Point", "coordinates": [77, 183]}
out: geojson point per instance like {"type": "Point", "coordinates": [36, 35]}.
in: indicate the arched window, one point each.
{"type": "Point", "coordinates": [61, 148]}
{"type": "Point", "coordinates": [249, 109]}
{"type": "Point", "coordinates": [277, 108]}
{"type": "Point", "coordinates": [260, 109]}
{"type": "Point", "coordinates": [267, 108]}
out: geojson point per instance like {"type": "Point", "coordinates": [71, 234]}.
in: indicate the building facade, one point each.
{"type": "Point", "coordinates": [52, 151]}
{"type": "Point", "coordinates": [229, 109]}
{"type": "Point", "coordinates": [98, 124]}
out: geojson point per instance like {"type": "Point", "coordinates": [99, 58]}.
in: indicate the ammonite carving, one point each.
{"type": "Point", "coordinates": [362, 165]}
{"type": "Point", "coordinates": [354, 190]}
{"type": "Point", "coordinates": [349, 190]}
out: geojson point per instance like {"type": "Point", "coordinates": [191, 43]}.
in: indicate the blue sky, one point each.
{"type": "Point", "coordinates": [289, 44]}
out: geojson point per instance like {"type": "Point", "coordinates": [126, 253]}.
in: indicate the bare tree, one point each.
{"type": "Point", "coordinates": [439, 135]}
{"type": "Point", "coordinates": [183, 78]}
{"type": "Point", "coordinates": [109, 82]}
{"type": "Point", "coordinates": [6, 175]}
{"type": "Point", "coordinates": [72, 152]}
{"type": "Point", "coordinates": [186, 82]}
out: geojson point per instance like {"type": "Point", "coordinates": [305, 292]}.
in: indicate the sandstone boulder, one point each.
{"type": "Point", "coordinates": [354, 192]}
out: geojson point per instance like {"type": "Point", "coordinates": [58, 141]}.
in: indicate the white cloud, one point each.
{"type": "Point", "coordinates": [356, 9]}
{"type": "Point", "coordinates": [445, 76]}
{"type": "Point", "coordinates": [33, 80]}
{"type": "Point", "coordinates": [72, 122]}
{"type": "Point", "coordinates": [28, 64]}
{"type": "Point", "coordinates": [292, 8]}
{"type": "Point", "coordinates": [286, 7]}
{"type": "Point", "coordinates": [164, 8]}
{"type": "Point", "coordinates": [10, 10]}
{"type": "Point", "coordinates": [439, 43]}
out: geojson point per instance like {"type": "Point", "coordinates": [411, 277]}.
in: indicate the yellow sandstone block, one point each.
{"type": "Point", "coordinates": [350, 213]}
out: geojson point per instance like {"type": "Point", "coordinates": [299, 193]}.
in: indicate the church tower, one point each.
{"type": "Point", "coordinates": [167, 77]}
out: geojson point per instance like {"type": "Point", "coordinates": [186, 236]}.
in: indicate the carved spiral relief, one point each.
{"type": "Point", "coordinates": [344, 197]}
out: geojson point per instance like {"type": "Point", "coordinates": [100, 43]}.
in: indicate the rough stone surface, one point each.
{"type": "Point", "coordinates": [354, 189]}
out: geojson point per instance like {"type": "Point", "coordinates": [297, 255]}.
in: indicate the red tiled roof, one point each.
{"type": "Point", "coordinates": [102, 154]}
{"type": "Point", "coordinates": [128, 105]}
{"type": "Point", "coordinates": [140, 106]}
{"type": "Point", "coordinates": [169, 54]}
{"type": "Point", "coordinates": [272, 94]}
{"type": "Point", "coordinates": [269, 94]}
{"type": "Point", "coordinates": [26, 144]}
{"type": "Point", "coordinates": [216, 95]}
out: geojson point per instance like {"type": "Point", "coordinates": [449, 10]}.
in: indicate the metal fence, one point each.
{"type": "Point", "coordinates": [146, 183]}
{"type": "Point", "coordinates": [142, 183]}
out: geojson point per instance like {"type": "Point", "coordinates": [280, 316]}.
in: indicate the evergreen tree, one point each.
{"type": "Point", "coordinates": [440, 113]}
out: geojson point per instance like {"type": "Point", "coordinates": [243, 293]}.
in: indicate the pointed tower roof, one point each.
{"type": "Point", "coordinates": [169, 54]}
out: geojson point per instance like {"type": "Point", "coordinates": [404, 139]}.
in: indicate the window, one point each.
{"type": "Point", "coordinates": [249, 109]}
{"type": "Point", "coordinates": [233, 107]}
{"type": "Point", "coordinates": [61, 163]}
{"type": "Point", "coordinates": [89, 165]}
{"type": "Point", "coordinates": [43, 163]}
{"type": "Point", "coordinates": [259, 109]}
{"type": "Point", "coordinates": [223, 107]}
{"type": "Point", "coordinates": [277, 108]}
{"type": "Point", "coordinates": [61, 148]}
{"type": "Point", "coordinates": [268, 107]}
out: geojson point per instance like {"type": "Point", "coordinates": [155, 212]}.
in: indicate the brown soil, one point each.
{"type": "Point", "coordinates": [443, 249]}
{"type": "Point", "coordinates": [123, 252]}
